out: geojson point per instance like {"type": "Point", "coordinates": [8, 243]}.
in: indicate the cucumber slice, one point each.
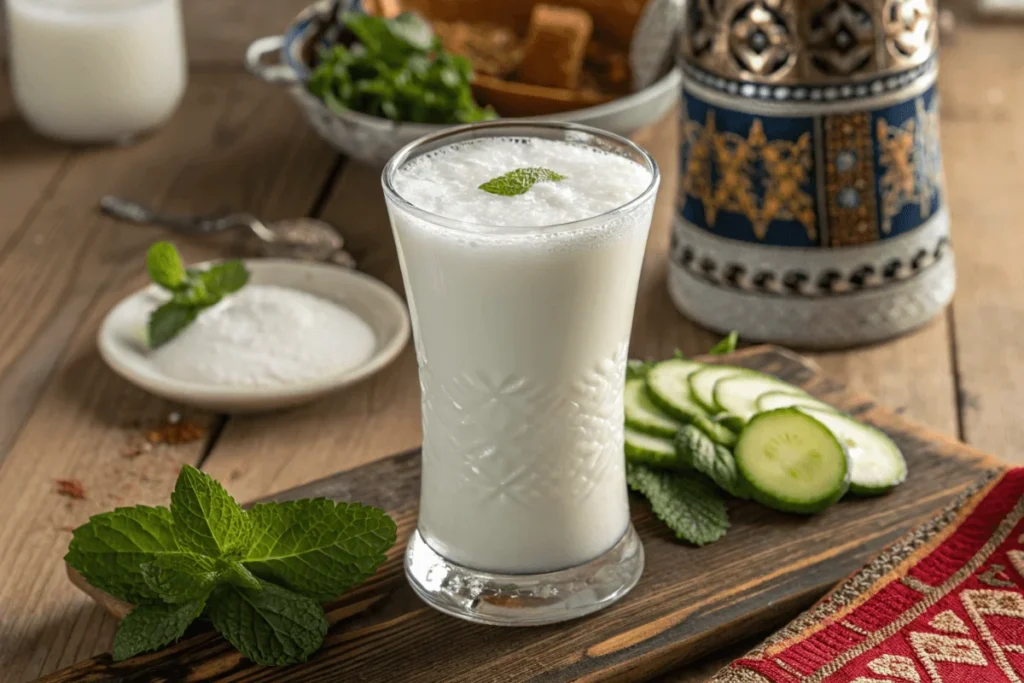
{"type": "Point", "coordinates": [643, 416]}
{"type": "Point", "coordinates": [876, 463]}
{"type": "Point", "coordinates": [792, 462]}
{"type": "Point", "coordinates": [733, 422]}
{"type": "Point", "coordinates": [738, 394]}
{"type": "Point", "coordinates": [774, 400]}
{"type": "Point", "coordinates": [669, 388]}
{"type": "Point", "coordinates": [652, 450]}
{"type": "Point", "coordinates": [702, 384]}
{"type": "Point", "coordinates": [718, 432]}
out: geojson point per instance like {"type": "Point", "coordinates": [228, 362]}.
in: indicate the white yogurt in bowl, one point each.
{"type": "Point", "coordinates": [297, 331]}
{"type": "Point", "coordinates": [266, 336]}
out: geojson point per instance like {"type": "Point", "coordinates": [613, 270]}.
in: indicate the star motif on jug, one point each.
{"type": "Point", "coordinates": [760, 41]}
{"type": "Point", "coordinates": [762, 180]}
{"type": "Point", "coordinates": [911, 163]}
{"type": "Point", "coordinates": [909, 29]}
{"type": "Point", "coordinates": [840, 37]}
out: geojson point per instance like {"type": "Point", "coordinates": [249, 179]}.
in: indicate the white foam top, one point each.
{"type": "Point", "coordinates": [446, 182]}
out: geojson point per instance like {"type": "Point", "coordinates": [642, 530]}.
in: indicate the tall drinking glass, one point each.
{"type": "Point", "coordinates": [522, 307]}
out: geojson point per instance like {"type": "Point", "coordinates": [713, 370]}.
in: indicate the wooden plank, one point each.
{"type": "Point", "coordinates": [677, 612]}
{"type": "Point", "coordinates": [233, 144]}
{"type": "Point", "coordinates": [983, 146]}
{"type": "Point", "coordinates": [218, 32]}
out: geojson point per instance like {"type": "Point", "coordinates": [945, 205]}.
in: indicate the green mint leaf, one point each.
{"type": "Point", "coordinates": [110, 549]}
{"type": "Point", "coordinates": [727, 345]}
{"type": "Point", "coordinates": [707, 457]}
{"type": "Point", "coordinates": [637, 369]}
{"type": "Point", "coordinates": [223, 278]}
{"type": "Point", "coordinates": [165, 267]}
{"type": "Point", "coordinates": [317, 547]}
{"type": "Point", "coordinates": [168, 320]}
{"type": "Point", "coordinates": [520, 181]}
{"type": "Point", "coordinates": [686, 501]}
{"type": "Point", "coordinates": [411, 28]}
{"type": "Point", "coordinates": [678, 355]}
{"type": "Point", "coordinates": [273, 626]}
{"type": "Point", "coordinates": [207, 520]}
{"type": "Point", "coordinates": [236, 573]}
{"type": "Point", "coordinates": [151, 627]}
{"type": "Point", "coordinates": [693, 446]}
{"type": "Point", "coordinates": [181, 578]}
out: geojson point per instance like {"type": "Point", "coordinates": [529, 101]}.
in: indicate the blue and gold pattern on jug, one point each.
{"type": "Point", "coordinates": [810, 203]}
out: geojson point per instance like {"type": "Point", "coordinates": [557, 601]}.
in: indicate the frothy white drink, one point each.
{"type": "Point", "coordinates": [522, 325]}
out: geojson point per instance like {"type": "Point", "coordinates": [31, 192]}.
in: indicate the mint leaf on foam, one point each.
{"type": "Point", "coordinates": [520, 181]}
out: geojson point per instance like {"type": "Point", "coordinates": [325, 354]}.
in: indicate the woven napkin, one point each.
{"type": "Point", "coordinates": [944, 604]}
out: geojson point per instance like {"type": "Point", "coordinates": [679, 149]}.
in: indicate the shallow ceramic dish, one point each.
{"type": "Point", "coordinates": [122, 338]}
{"type": "Point", "coordinates": [374, 140]}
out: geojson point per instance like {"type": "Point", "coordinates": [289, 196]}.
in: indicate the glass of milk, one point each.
{"type": "Point", "coordinates": [96, 70]}
{"type": "Point", "coordinates": [522, 308]}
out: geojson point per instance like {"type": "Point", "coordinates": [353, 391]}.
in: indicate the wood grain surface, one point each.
{"type": "Point", "coordinates": [689, 601]}
{"type": "Point", "coordinates": [240, 144]}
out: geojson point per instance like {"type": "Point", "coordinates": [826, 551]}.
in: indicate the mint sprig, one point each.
{"type": "Point", "coordinates": [727, 345]}
{"type": "Point", "coordinates": [258, 575]}
{"type": "Point", "coordinates": [192, 290]}
{"type": "Point", "coordinates": [520, 180]}
{"type": "Point", "coordinates": [685, 501]}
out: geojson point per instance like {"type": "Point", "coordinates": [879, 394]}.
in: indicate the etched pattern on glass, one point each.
{"type": "Point", "coordinates": [495, 435]}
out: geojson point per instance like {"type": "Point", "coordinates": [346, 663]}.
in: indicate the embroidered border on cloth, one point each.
{"type": "Point", "coordinates": [944, 604]}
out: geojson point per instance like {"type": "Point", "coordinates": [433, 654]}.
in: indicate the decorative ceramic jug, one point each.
{"type": "Point", "coordinates": [810, 206]}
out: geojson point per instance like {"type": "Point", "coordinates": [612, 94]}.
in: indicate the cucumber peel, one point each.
{"type": "Point", "coordinates": [643, 415]}
{"type": "Point", "coordinates": [792, 462]}
{"type": "Point", "coordinates": [876, 463]}
{"type": "Point", "coordinates": [652, 450]}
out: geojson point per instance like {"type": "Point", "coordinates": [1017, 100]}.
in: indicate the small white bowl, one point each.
{"type": "Point", "coordinates": [122, 337]}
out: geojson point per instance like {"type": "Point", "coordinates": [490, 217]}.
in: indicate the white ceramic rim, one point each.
{"type": "Point", "coordinates": [160, 385]}
{"type": "Point", "coordinates": [517, 128]}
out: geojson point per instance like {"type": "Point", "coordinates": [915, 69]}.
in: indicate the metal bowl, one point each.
{"type": "Point", "coordinates": [373, 140]}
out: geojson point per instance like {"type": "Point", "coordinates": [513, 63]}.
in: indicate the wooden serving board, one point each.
{"type": "Point", "coordinates": [689, 602]}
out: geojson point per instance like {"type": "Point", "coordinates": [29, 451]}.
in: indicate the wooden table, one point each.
{"type": "Point", "coordinates": [237, 143]}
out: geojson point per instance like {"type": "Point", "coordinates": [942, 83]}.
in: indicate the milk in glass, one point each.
{"type": "Point", "coordinates": [96, 70]}
{"type": "Point", "coordinates": [522, 308]}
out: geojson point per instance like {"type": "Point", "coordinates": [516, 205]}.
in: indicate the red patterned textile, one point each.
{"type": "Point", "coordinates": [945, 604]}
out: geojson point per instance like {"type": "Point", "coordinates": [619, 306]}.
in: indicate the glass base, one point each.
{"type": "Point", "coordinates": [524, 599]}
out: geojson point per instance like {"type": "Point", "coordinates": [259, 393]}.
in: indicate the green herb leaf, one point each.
{"type": "Point", "coordinates": [236, 573]}
{"type": "Point", "coordinates": [165, 267]}
{"type": "Point", "coordinates": [686, 501]}
{"type": "Point", "coordinates": [168, 320]}
{"type": "Point", "coordinates": [272, 627]}
{"type": "Point", "coordinates": [396, 69]}
{"type": "Point", "coordinates": [224, 278]}
{"type": "Point", "coordinates": [317, 547]}
{"type": "Point", "coordinates": [181, 578]}
{"type": "Point", "coordinates": [151, 627]}
{"type": "Point", "coordinates": [707, 457]}
{"type": "Point", "coordinates": [727, 345]}
{"type": "Point", "coordinates": [413, 29]}
{"type": "Point", "coordinates": [637, 369]}
{"type": "Point", "coordinates": [520, 181]}
{"type": "Point", "coordinates": [206, 519]}
{"type": "Point", "coordinates": [111, 548]}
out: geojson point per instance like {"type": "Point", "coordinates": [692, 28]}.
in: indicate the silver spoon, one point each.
{"type": "Point", "coordinates": [308, 239]}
